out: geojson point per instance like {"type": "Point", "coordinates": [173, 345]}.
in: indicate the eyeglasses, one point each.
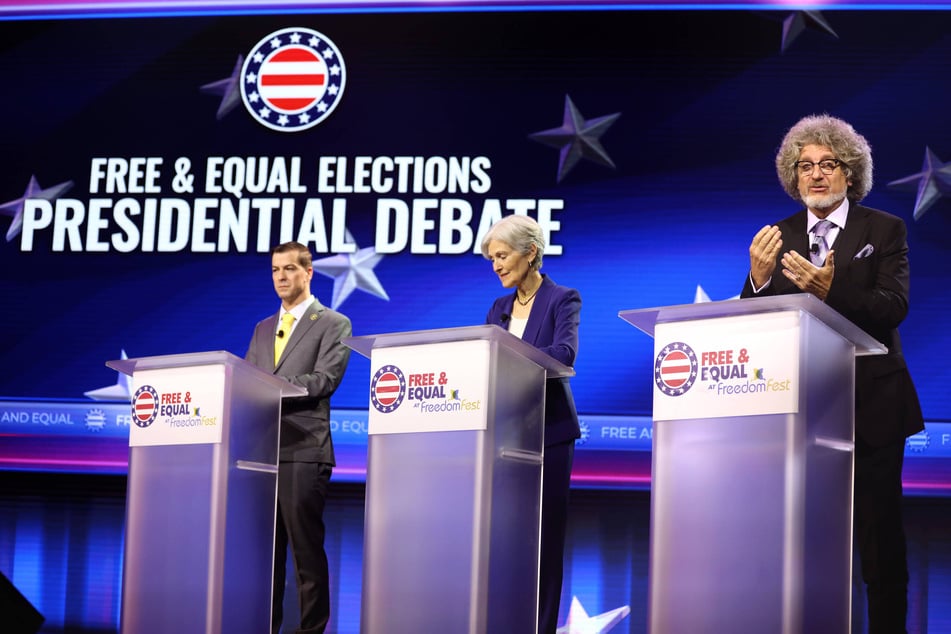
{"type": "Point", "coordinates": [826, 167]}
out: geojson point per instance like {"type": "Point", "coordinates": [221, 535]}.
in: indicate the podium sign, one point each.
{"type": "Point", "coordinates": [429, 388]}
{"type": "Point", "coordinates": [732, 366]}
{"type": "Point", "coordinates": [180, 406]}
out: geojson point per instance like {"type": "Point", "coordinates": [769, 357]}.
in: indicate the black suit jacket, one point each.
{"type": "Point", "coordinates": [870, 288]}
{"type": "Point", "coordinates": [314, 359]}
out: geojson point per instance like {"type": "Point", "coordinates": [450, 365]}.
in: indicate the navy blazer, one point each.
{"type": "Point", "coordinates": [870, 288]}
{"type": "Point", "coordinates": [552, 328]}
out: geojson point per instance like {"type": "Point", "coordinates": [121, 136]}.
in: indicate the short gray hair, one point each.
{"type": "Point", "coordinates": [520, 233]}
{"type": "Point", "coordinates": [849, 146]}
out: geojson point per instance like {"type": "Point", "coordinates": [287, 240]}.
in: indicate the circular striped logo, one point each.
{"type": "Point", "coordinates": [675, 369]}
{"type": "Point", "coordinates": [387, 389]}
{"type": "Point", "coordinates": [145, 404]}
{"type": "Point", "coordinates": [293, 79]}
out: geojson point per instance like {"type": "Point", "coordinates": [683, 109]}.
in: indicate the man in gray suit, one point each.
{"type": "Point", "coordinates": [302, 343]}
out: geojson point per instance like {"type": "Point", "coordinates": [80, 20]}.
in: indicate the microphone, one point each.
{"type": "Point", "coordinates": [280, 333]}
{"type": "Point", "coordinates": [814, 247]}
{"type": "Point", "coordinates": [504, 318]}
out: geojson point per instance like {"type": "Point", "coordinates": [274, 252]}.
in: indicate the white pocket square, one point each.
{"type": "Point", "coordinates": [864, 252]}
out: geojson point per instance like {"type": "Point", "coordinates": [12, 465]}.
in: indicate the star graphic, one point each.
{"type": "Point", "coordinates": [577, 139]}
{"type": "Point", "coordinates": [700, 296]}
{"type": "Point", "coordinates": [14, 208]}
{"type": "Point", "coordinates": [121, 391]}
{"type": "Point", "coordinates": [228, 89]}
{"type": "Point", "coordinates": [580, 623]}
{"type": "Point", "coordinates": [798, 21]}
{"type": "Point", "coordinates": [931, 183]}
{"type": "Point", "coordinates": [351, 271]}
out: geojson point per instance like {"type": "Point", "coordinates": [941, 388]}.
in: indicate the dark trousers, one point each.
{"type": "Point", "coordinates": [880, 535]}
{"type": "Point", "coordinates": [556, 481]}
{"type": "Point", "coordinates": [301, 495]}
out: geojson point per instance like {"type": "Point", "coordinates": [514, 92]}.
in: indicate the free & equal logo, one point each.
{"type": "Point", "coordinates": [675, 369]}
{"type": "Point", "coordinates": [145, 406]}
{"type": "Point", "coordinates": [293, 79]}
{"type": "Point", "coordinates": [387, 389]}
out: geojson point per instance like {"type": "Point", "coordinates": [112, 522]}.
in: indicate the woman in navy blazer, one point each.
{"type": "Point", "coordinates": [545, 315]}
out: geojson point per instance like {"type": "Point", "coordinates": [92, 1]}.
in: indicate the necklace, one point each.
{"type": "Point", "coordinates": [527, 299]}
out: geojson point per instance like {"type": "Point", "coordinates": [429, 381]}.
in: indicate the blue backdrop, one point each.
{"type": "Point", "coordinates": [659, 210]}
{"type": "Point", "coordinates": [703, 99]}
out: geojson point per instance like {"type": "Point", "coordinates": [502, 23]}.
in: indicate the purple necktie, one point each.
{"type": "Point", "coordinates": [819, 248]}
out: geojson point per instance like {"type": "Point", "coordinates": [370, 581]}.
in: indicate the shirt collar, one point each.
{"type": "Point", "coordinates": [837, 217]}
{"type": "Point", "coordinates": [298, 310]}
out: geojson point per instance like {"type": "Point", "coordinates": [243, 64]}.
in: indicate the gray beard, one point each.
{"type": "Point", "coordinates": [823, 203]}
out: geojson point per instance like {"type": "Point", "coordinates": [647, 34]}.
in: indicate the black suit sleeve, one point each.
{"type": "Point", "coordinates": [872, 292]}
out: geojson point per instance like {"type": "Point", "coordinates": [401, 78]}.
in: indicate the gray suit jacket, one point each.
{"type": "Point", "coordinates": [314, 359]}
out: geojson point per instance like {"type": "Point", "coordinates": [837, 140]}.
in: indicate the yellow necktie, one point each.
{"type": "Point", "coordinates": [283, 334]}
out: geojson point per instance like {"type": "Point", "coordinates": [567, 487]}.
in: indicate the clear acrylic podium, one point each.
{"type": "Point", "coordinates": [751, 494]}
{"type": "Point", "coordinates": [201, 500]}
{"type": "Point", "coordinates": [453, 493]}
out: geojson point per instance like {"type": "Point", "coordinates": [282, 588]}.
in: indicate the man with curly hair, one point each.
{"type": "Point", "coordinates": [855, 259]}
